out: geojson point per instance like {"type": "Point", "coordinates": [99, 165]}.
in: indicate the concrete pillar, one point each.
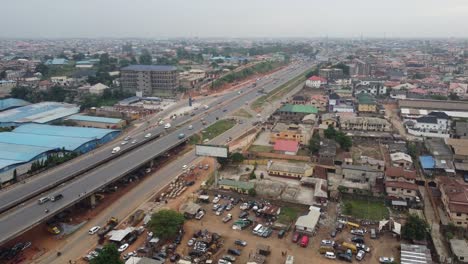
{"type": "Point", "coordinates": [92, 200]}
{"type": "Point", "coordinates": [151, 164]}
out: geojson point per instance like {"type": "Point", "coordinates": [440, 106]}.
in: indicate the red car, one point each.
{"type": "Point", "coordinates": [295, 237]}
{"type": "Point", "coordinates": [304, 241]}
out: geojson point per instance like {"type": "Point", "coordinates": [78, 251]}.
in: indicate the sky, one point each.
{"type": "Point", "coordinates": [233, 18]}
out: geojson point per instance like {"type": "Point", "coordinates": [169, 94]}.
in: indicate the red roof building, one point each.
{"type": "Point", "coordinates": [289, 147]}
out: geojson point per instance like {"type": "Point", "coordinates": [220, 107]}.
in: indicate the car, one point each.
{"type": "Point", "coordinates": [363, 247]}
{"type": "Point", "coordinates": [127, 138]}
{"type": "Point", "coordinates": [465, 177]}
{"type": "Point", "coordinates": [200, 214]}
{"type": "Point", "coordinates": [184, 167]}
{"type": "Point", "coordinates": [295, 237]}
{"type": "Point", "coordinates": [281, 233]}
{"type": "Point", "coordinates": [190, 127]}
{"type": "Point", "coordinates": [190, 242]}
{"type": "Point", "coordinates": [373, 233]}
{"type": "Point", "coordinates": [43, 199]}
{"type": "Point", "coordinates": [224, 110]}
{"type": "Point", "coordinates": [229, 258]}
{"type": "Point", "coordinates": [181, 136]}
{"type": "Point", "coordinates": [178, 238]}
{"type": "Point", "coordinates": [216, 199]}
{"type": "Point", "coordinates": [229, 207]}
{"type": "Point", "coordinates": [167, 126]}
{"type": "Point", "coordinates": [129, 254]}
{"type": "Point", "coordinates": [243, 214]}
{"type": "Point", "coordinates": [386, 259]}
{"type": "Point", "coordinates": [56, 197]}
{"type": "Point", "coordinates": [234, 251]}
{"type": "Point", "coordinates": [220, 210]}
{"type": "Point", "coordinates": [174, 257]}
{"type": "Point", "coordinates": [207, 166]}
{"type": "Point", "coordinates": [330, 255]}
{"type": "Point", "coordinates": [267, 232]}
{"type": "Point", "coordinates": [200, 166]}
{"type": "Point", "coordinates": [339, 227]}
{"type": "Point", "coordinates": [148, 135]}
{"type": "Point", "coordinates": [223, 261]}
{"type": "Point", "coordinates": [216, 207]}
{"type": "Point", "coordinates": [333, 233]}
{"type": "Point", "coordinates": [241, 243]}
{"type": "Point", "coordinates": [115, 150]}
{"type": "Point", "coordinates": [123, 247]}
{"type": "Point", "coordinates": [357, 240]}
{"type": "Point", "coordinates": [357, 232]}
{"type": "Point", "coordinates": [360, 255]}
{"type": "Point", "coordinates": [345, 257]}
{"type": "Point", "coordinates": [94, 230]}
{"type": "Point", "coordinates": [134, 141]}
{"type": "Point", "coordinates": [304, 241]}
{"type": "Point", "coordinates": [327, 243]}
{"type": "Point", "coordinates": [124, 143]}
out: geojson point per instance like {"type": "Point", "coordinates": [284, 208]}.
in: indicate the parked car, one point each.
{"type": "Point", "coordinates": [327, 243]}
{"type": "Point", "coordinates": [240, 242]}
{"type": "Point", "coordinates": [386, 259]}
{"type": "Point", "coordinates": [345, 257]}
{"type": "Point", "coordinates": [123, 247]}
{"type": "Point", "coordinates": [357, 240]}
{"type": "Point", "coordinates": [243, 214]}
{"type": "Point", "coordinates": [363, 247]}
{"type": "Point", "coordinates": [148, 135]}
{"type": "Point", "coordinates": [174, 257]}
{"type": "Point", "coordinates": [190, 242]}
{"type": "Point", "coordinates": [357, 232]}
{"type": "Point", "coordinates": [134, 141]}
{"type": "Point", "coordinates": [333, 233]}
{"type": "Point", "coordinates": [295, 237]}
{"type": "Point", "coordinates": [229, 258]}
{"type": "Point", "coordinates": [216, 207]}
{"type": "Point", "coordinates": [94, 230]}
{"type": "Point", "coordinates": [216, 199]}
{"type": "Point", "coordinates": [304, 241]}
{"type": "Point", "coordinates": [281, 233]}
{"type": "Point", "coordinates": [234, 251]}
{"type": "Point", "coordinates": [330, 255]}
{"type": "Point", "coordinates": [373, 233]}
{"type": "Point", "coordinates": [200, 214]}
{"type": "Point", "coordinates": [360, 255]}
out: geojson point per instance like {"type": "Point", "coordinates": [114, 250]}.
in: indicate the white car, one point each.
{"type": "Point", "coordinates": [184, 167]}
{"type": "Point", "coordinates": [94, 230]}
{"type": "Point", "coordinates": [134, 141]}
{"type": "Point", "coordinates": [167, 126]}
{"type": "Point", "coordinates": [161, 122]}
{"type": "Point", "coordinates": [124, 142]}
{"type": "Point", "coordinates": [216, 200]}
{"type": "Point", "coordinates": [148, 135]}
{"type": "Point", "coordinates": [330, 255]}
{"type": "Point", "coordinates": [360, 255]}
{"type": "Point", "coordinates": [127, 138]}
{"type": "Point", "coordinates": [190, 127]}
{"type": "Point", "coordinates": [386, 259]}
{"type": "Point", "coordinates": [123, 247]}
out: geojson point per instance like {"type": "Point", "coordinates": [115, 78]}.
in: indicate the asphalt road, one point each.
{"type": "Point", "coordinates": [27, 215]}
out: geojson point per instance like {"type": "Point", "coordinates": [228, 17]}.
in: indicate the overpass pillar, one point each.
{"type": "Point", "coordinates": [92, 200]}
{"type": "Point", "coordinates": [151, 164]}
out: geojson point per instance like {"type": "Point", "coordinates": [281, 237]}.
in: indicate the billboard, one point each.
{"type": "Point", "coordinates": [211, 151]}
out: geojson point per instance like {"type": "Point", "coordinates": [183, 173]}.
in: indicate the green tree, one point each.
{"type": "Point", "coordinates": [345, 141]}
{"type": "Point", "coordinates": [348, 208]}
{"type": "Point", "coordinates": [330, 132]}
{"type": "Point", "coordinates": [237, 157]}
{"type": "Point", "coordinates": [312, 73]}
{"type": "Point", "coordinates": [413, 149]}
{"type": "Point", "coordinates": [344, 67]}
{"type": "Point", "coordinates": [108, 255]}
{"type": "Point", "coordinates": [166, 223]}
{"type": "Point", "coordinates": [43, 69]}
{"type": "Point", "coordinates": [252, 192]}
{"type": "Point", "coordinates": [415, 228]}
{"type": "Point", "coordinates": [20, 92]}
{"type": "Point", "coordinates": [145, 57]}
{"type": "Point", "coordinates": [314, 144]}
{"type": "Point", "coordinates": [3, 75]}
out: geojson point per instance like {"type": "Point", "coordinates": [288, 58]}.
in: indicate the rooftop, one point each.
{"type": "Point", "coordinates": [400, 156]}
{"type": "Point", "coordinates": [415, 254]}
{"type": "Point", "coordinates": [427, 162]}
{"type": "Point", "coordinates": [400, 172]}
{"type": "Point", "coordinates": [286, 145]}
{"type": "Point", "coordinates": [38, 113]}
{"type": "Point", "coordinates": [402, 185]}
{"type": "Point", "coordinates": [434, 104]}
{"type": "Point", "coordinates": [149, 68]}
{"type": "Point", "coordinates": [65, 131]}
{"type": "Point", "coordinates": [459, 248]}
{"type": "Point", "coordinates": [289, 167]}
{"type": "Point", "coordinates": [68, 143]}
{"type": "Point", "coordinates": [96, 119]}
{"type": "Point", "coordinates": [237, 184]}
{"type": "Point", "coordinates": [307, 109]}
{"type": "Point", "coordinates": [8, 103]}
{"type": "Point", "coordinates": [365, 99]}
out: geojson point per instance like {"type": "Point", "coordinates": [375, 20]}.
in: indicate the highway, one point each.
{"type": "Point", "coordinates": [24, 217]}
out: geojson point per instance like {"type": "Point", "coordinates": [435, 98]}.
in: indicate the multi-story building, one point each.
{"type": "Point", "coordinates": [365, 124]}
{"type": "Point", "coordinates": [401, 183]}
{"type": "Point", "coordinates": [331, 73]}
{"type": "Point", "coordinates": [298, 133]}
{"type": "Point", "coordinates": [150, 80]}
{"type": "Point", "coordinates": [366, 103]}
{"type": "Point", "coordinates": [454, 196]}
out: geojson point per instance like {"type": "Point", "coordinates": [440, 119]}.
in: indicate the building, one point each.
{"type": "Point", "coordinates": [400, 159]}
{"type": "Point", "coordinates": [98, 89]}
{"type": "Point", "coordinates": [371, 87]}
{"type": "Point", "coordinates": [459, 148]}
{"type": "Point", "coordinates": [6, 86]}
{"type": "Point", "coordinates": [415, 254]}
{"type": "Point", "coordinates": [459, 248]}
{"type": "Point", "coordinates": [366, 103]}
{"type": "Point", "coordinates": [287, 147]}
{"type": "Point", "coordinates": [362, 174]}
{"type": "Point", "coordinates": [401, 183]}
{"type": "Point", "coordinates": [454, 196]}
{"type": "Point", "coordinates": [144, 260]}
{"type": "Point", "coordinates": [434, 105]}
{"type": "Point", "coordinates": [436, 122]}
{"type": "Point", "coordinates": [295, 113]}
{"type": "Point", "coordinates": [319, 101]}
{"type": "Point", "coordinates": [56, 62]}
{"type": "Point", "coordinates": [306, 224]}
{"type": "Point", "coordinates": [40, 113]}
{"type": "Point", "coordinates": [10, 103]}
{"type": "Point", "coordinates": [299, 99]}
{"type": "Point", "coordinates": [461, 130]}
{"type": "Point", "coordinates": [298, 133]}
{"type": "Point", "coordinates": [331, 74]}
{"type": "Point", "coordinates": [365, 124]}
{"type": "Point", "coordinates": [289, 170]}
{"type": "Point", "coordinates": [150, 80]}
{"type": "Point", "coordinates": [97, 121]}
{"type": "Point", "coordinates": [315, 82]}
{"type": "Point", "coordinates": [237, 186]}
{"type": "Point", "coordinates": [329, 119]}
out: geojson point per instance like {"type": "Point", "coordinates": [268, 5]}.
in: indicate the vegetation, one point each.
{"type": "Point", "coordinates": [288, 215]}
{"type": "Point", "coordinates": [52, 161]}
{"type": "Point", "coordinates": [260, 148]}
{"type": "Point", "coordinates": [165, 224]}
{"type": "Point", "coordinates": [365, 209]}
{"type": "Point", "coordinates": [242, 113]}
{"type": "Point", "coordinates": [108, 255]}
{"type": "Point", "coordinates": [415, 228]}
{"type": "Point", "coordinates": [314, 144]}
{"type": "Point", "coordinates": [413, 149]}
{"type": "Point", "coordinates": [311, 73]}
{"type": "Point", "coordinates": [342, 66]}
{"type": "Point", "coordinates": [341, 138]}
{"type": "Point", "coordinates": [218, 128]}
{"type": "Point", "coordinates": [108, 98]}
{"type": "Point", "coordinates": [438, 97]}
{"type": "Point", "coordinates": [252, 192]}
{"type": "Point", "coordinates": [145, 57]}
{"type": "Point", "coordinates": [237, 157]}
{"type": "Point", "coordinates": [194, 139]}
{"type": "Point", "coordinates": [55, 93]}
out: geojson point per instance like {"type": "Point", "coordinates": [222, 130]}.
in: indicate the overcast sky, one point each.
{"type": "Point", "coordinates": [233, 18]}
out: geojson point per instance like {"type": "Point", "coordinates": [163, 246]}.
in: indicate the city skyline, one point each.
{"type": "Point", "coordinates": [240, 19]}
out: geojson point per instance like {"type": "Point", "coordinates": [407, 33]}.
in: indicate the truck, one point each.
{"type": "Point", "coordinates": [227, 218]}
{"type": "Point", "coordinates": [111, 224]}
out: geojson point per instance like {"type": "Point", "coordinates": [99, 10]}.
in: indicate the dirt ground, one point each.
{"type": "Point", "coordinates": [386, 245]}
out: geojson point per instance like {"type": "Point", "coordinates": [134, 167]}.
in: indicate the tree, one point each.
{"type": "Point", "coordinates": [165, 224]}
{"type": "Point", "coordinates": [43, 69]}
{"type": "Point", "coordinates": [108, 255]}
{"type": "Point", "coordinates": [3, 75]}
{"type": "Point", "coordinates": [413, 149]}
{"type": "Point", "coordinates": [104, 59]}
{"type": "Point", "coordinates": [415, 228]}
{"type": "Point", "coordinates": [314, 144]}
{"type": "Point", "coordinates": [78, 57]}
{"type": "Point", "coordinates": [312, 73]}
{"type": "Point", "coordinates": [330, 132]}
{"type": "Point", "coordinates": [145, 57]}
{"type": "Point", "coordinates": [237, 157]}
{"type": "Point", "coordinates": [452, 96]}
{"type": "Point", "coordinates": [345, 141]}
{"type": "Point", "coordinates": [252, 192]}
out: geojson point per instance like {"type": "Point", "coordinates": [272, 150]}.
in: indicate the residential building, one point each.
{"type": "Point", "coordinates": [150, 80]}
{"type": "Point", "coordinates": [315, 82]}
{"type": "Point", "coordinates": [371, 87]}
{"type": "Point", "coordinates": [298, 133]}
{"type": "Point", "coordinates": [365, 124]}
{"type": "Point", "coordinates": [98, 89]}
{"type": "Point", "coordinates": [400, 159]}
{"type": "Point", "coordinates": [459, 147]}
{"type": "Point", "coordinates": [237, 186]}
{"type": "Point", "coordinates": [295, 113]}
{"type": "Point", "coordinates": [299, 100]}
{"type": "Point", "coordinates": [287, 147]}
{"type": "Point", "coordinates": [362, 174]}
{"type": "Point", "coordinates": [454, 196]}
{"type": "Point", "coordinates": [401, 183]}
{"type": "Point", "coordinates": [366, 103]}
{"type": "Point", "coordinates": [459, 89]}
{"type": "Point", "coordinates": [329, 119]}
{"type": "Point", "coordinates": [459, 248]}
{"type": "Point", "coordinates": [319, 101]}
{"type": "Point", "coordinates": [461, 130]}
{"type": "Point", "coordinates": [327, 148]}
{"type": "Point", "coordinates": [56, 62]}
{"type": "Point", "coordinates": [438, 122]}
{"type": "Point", "coordinates": [289, 170]}
{"type": "Point", "coordinates": [331, 74]}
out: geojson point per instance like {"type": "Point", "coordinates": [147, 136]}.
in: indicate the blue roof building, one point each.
{"type": "Point", "coordinates": [65, 131]}
{"type": "Point", "coordinates": [427, 162]}
{"type": "Point", "coordinates": [40, 113]}
{"type": "Point", "coordinates": [9, 103]}
{"type": "Point", "coordinates": [56, 61]}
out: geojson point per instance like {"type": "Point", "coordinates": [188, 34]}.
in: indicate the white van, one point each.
{"type": "Point", "coordinates": [168, 125]}
{"type": "Point", "coordinates": [115, 150]}
{"type": "Point", "coordinates": [330, 255]}
{"type": "Point", "coordinates": [257, 229]}
{"type": "Point", "coordinates": [43, 200]}
{"type": "Point", "coordinates": [93, 230]}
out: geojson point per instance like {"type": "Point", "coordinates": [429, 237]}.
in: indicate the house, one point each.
{"type": "Point", "coordinates": [237, 186]}
{"type": "Point", "coordinates": [363, 174]}
{"type": "Point", "coordinates": [319, 101]}
{"type": "Point", "coordinates": [459, 248]}
{"type": "Point", "coordinates": [454, 196]}
{"type": "Point", "coordinates": [299, 100]}
{"type": "Point", "coordinates": [373, 88]}
{"type": "Point", "coordinates": [461, 130]}
{"type": "Point", "coordinates": [404, 86]}
{"type": "Point", "coordinates": [315, 82]}
{"type": "Point", "coordinates": [459, 89]}
{"type": "Point", "coordinates": [366, 103]}
{"type": "Point", "coordinates": [306, 224]}
{"type": "Point", "coordinates": [98, 89]}
{"type": "Point", "coordinates": [298, 133]}
{"type": "Point", "coordinates": [398, 94]}
{"type": "Point", "coordinates": [365, 124]}
{"type": "Point", "coordinates": [459, 148]}
{"type": "Point", "coordinates": [327, 149]}
{"type": "Point", "coordinates": [330, 119]}
{"type": "Point", "coordinates": [333, 99]}
{"type": "Point", "coordinates": [289, 170]}
{"type": "Point", "coordinates": [287, 147]}
{"type": "Point", "coordinates": [56, 62]}
{"type": "Point", "coordinates": [401, 183]}
{"type": "Point", "coordinates": [400, 159]}
{"type": "Point", "coordinates": [295, 113]}
{"type": "Point", "coordinates": [434, 122]}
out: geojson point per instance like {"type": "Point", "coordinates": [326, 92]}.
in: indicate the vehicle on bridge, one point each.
{"type": "Point", "coordinates": [115, 150]}
{"type": "Point", "coordinates": [181, 136]}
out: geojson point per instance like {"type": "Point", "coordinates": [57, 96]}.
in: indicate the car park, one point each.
{"type": "Point", "coordinates": [123, 247]}
{"type": "Point", "coordinates": [360, 255]}
{"type": "Point", "coordinates": [94, 230]}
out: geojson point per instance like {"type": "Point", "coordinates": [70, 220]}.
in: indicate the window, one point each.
{"type": "Point", "coordinates": [408, 191]}
{"type": "Point", "coordinates": [459, 223]}
{"type": "Point", "coordinates": [393, 189]}
{"type": "Point", "coordinates": [459, 214]}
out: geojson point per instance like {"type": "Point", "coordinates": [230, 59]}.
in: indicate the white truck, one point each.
{"type": "Point", "coordinates": [115, 150]}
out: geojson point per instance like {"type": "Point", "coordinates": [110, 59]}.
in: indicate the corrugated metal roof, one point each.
{"type": "Point", "coordinates": [65, 131]}
{"type": "Point", "coordinates": [11, 103]}
{"type": "Point", "coordinates": [308, 109]}
{"type": "Point", "coordinates": [68, 143]}
{"type": "Point", "coordinates": [20, 152]}
{"type": "Point", "coordinates": [38, 113]}
{"type": "Point", "coordinates": [149, 68]}
{"type": "Point", "coordinates": [97, 119]}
